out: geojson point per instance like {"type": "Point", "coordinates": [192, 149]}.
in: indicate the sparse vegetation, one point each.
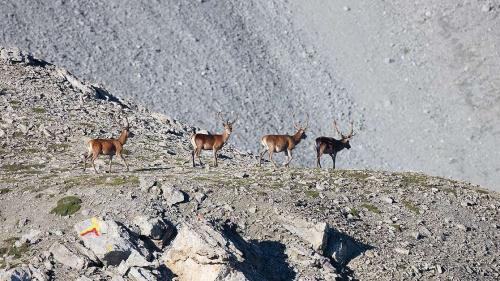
{"type": "Point", "coordinates": [8, 248]}
{"type": "Point", "coordinates": [450, 190]}
{"type": "Point", "coordinates": [413, 179]}
{"type": "Point", "coordinates": [4, 190]}
{"type": "Point", "coordinates": [396, 227]}
{"type": "Point", "coordinates": [23, 168]}
{"type": "Point", "coordinates": [410, 206]}
{"type": "Point", "coordinates": [371, 208]}
{"type": "Point", "coordinates": [67, 206]}
{"type": "Point", "coordinates": [355, 212]}
{"type": "Point", "coordinates": [39, 110]}
{"type": "Point", "coordinates": [312, 193]}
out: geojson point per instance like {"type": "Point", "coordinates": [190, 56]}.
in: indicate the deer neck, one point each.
{"type": "Point", "coordinates": [225, 135]}
{"type": "Point", "coordinates": [297, 137]}
{"type": "Point", "coordinates": [123, 137]}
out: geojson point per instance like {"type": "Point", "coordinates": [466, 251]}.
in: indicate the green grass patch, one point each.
{"type": "Point", "coordinates": [8, 248]}
{"type": "Point", "coordinates": [371, 208]}
{"type": "Point", "coordinates": [23, 168]}
{"type": "Point", "coordinates": [482, 191]}
{"type": "Point", "coordinates": [67, 206]}
{"type": "Point", "coordinates": [414, 179]}
{"type": "Point", "coordinates": [39, 110]}
{"type": "Point", "coordinates": [410, 206]}
{"type": "Point", "coordinates": [312, 193]}
{"type": "Point", "coordinates": [4, 191]}
{"type": "Point", "coordinates": [396, 227]}
{"type": "Point", "coordinates": [451, 190]}
{"type": "Point", "coordinates": [115, 180]}
{"type": "Point", "coordinates": [355, 212]}
{"type": "Point", "coordinates": [358, 175]}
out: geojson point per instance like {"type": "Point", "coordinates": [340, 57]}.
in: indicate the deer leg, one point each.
{"type": "Point", "coordinates": [86, 157]}
{"type": "Point", "coordinates": [94, 157]}
{"type": "Point", "coordinates": [289, 156]}
{"type": "Point", "coordinates": [319, 152]}
{"type": "Point", "coordinates": [124, 161]}
{"type": "Point", "coordinates": [192, 157]}
{"type": "Point", "coordinates": [198, 153]}
{"type": "Point", "coordinates": [110, 160]}
{"type": "Point", "coordinates": [334, 156]}
{"type": "Point", "coordinates": [215, 157]}
{"type": "Point", "coordinates": [261, 153]}
{"type": "Point", "coordinates": [271, 158]}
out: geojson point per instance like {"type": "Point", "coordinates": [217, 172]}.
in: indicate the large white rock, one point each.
{"type": "Point", "coordinates": [109, 241]}
{"type": "Point", "coordinates": [67, 257]}
{"type": "Point", "coordinates": [314, 233]}
{"type": "Point", "coordinates": [201, 253]}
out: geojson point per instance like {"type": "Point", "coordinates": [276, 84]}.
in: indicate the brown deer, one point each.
{"type": "Point", "coordinates": [282, 143]}
{"type": "Point", "coordinates": [211, 142]}
{"type": "Point", "coordinates": [330, 146]}
{"type": "Point", "coordinates": [109, 147]}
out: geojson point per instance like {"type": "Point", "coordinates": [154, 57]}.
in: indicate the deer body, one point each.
{"type": "Point", "coordinates": [108, 147]}
{"type": "Point", "coordinates": [331, 146]}
{"type": "Point", "coordinates": [281, 143]}
{"type": "Point", "coordinates": [211, 142]}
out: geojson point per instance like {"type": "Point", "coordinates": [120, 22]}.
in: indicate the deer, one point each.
{"type": "Point", "coordinates": [331, 146]}
{"type": "Point", "coordinates": [214, 142]}
{"type": "Point", "coordinates": [109, 147]}
{"type": "Point", "coordinates": [282, 143]}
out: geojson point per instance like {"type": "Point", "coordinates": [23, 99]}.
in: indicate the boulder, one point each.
{"type": "Point", "coordinates": [141, 274]}
{"type": "Point", "coordinates": [23, 273]}
{"type": "Point", "coordinates": [67, 257]}
{"type": "Point", "coordinates": [134, 260]}
{"type": "Point", "coordinates": [313, 233]}
{"type": "Point", "coordinates": [110, 242]}
{"type": "Point", "coordinates": [154, 228]}
{"type": "Point", "coordinates": [200, 252]}
{"type": "Point", "coordinates": [173, 195]}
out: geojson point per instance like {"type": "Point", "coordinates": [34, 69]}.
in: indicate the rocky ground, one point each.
{"type": "Point", "coordinates": [167, 220]}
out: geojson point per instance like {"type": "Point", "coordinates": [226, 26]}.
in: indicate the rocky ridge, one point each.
{"type": "Point", "coordinates": [166, 220]}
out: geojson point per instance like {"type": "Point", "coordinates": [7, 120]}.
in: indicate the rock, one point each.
{"type": "Point", "coordinates": [83, 278]}
{"type": "Point", "coordinates": [110, 242]}
{"type": "Point", "coordinates": [252, 210]}
{"type": "Point", "coordinates": [347, 9]}
{"type": "Point", "coordinates": [341, 248]}
{"type": "Point", "coordinates": [486, 8]}
{"type": "Point", "coordinates": [200, 197]}
{"type": "Point", "coordinates": [134, 260]}
{"type": "Point", "coordinates": [173, 195]}
{"type": "Point", "coordinates": [145, 183]}
{"type": "Point", "coordinates": [462, 227]}
{"type": "Point", "coordinates": [388, 200]}
{"type": "Point", "coordinates": [15, 274]}
{"type": "Point", "coordinates": [388, 60]}
{"type": "Point", "coordinates": [439, 269]}
{"type": "Point", "coordinates": [402, 251]}
{"type": "Point", "coordinates": [69, 258]}
{"type": "Point", "coordinates": [31, 237]}
{"type": "Point", "coordinates": [154, 228]}
{"type": "Point", "coordinates": [141, 274]}
{"type": "Point", "coordinates": [199, 252]}
{"type": "Point", "coordinates": [315, 234]}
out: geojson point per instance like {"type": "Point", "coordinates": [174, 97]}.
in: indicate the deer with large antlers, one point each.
{"type": "Point", "coordinates": [211, 142]}
{"type": "Point", "coordinates": [109, 147]}
{"type": "Point", "coordinates": [330, 146]}
{"type": "Point", "coordinates": [282, 143]}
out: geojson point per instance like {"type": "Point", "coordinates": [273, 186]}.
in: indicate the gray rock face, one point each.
{"type": "Point", "coordinates": [173, 195]}
{"type": "Point", "coordinates": [68, 258]}
{"type": "Point", "coordinates": [141, 274]}
{"type": "Point", "coordinates": [313, 233]}
{"type": "Point", "coordinates": [110, 242]}
{"type": "Point", "coordinates": [154, 228]}
{"type": "Point", "coordinates": [199, 252]}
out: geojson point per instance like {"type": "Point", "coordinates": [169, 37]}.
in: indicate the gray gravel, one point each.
{"type": "Point", "coordinates": [420, 79]}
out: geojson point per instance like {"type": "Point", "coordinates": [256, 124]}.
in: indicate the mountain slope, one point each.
{"type": "Point", "coordinates": [270, 224]}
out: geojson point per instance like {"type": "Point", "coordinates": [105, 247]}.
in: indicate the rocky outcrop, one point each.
{"type": "Point", "coordinates": [199, 252]}
{"type": "Point", "coordinates": [109, 241]}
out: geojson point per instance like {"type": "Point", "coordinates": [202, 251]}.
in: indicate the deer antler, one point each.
{"type": "Point", "coordinates": [236, 119]}
{"type": "Point", "coordinates": [126, 124]}
{"type": "Point", "coordinates": [307, 122]}
{"type": "Point", "coordinates": [337, 128]}
{"type": "Point", "coordinates": [350, 134]}
{"type": "Point", "coordinates": [219, 115]}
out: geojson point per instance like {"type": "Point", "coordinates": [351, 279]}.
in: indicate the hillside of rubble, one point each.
{"type": "Point", "coordinates": [165, 220]}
